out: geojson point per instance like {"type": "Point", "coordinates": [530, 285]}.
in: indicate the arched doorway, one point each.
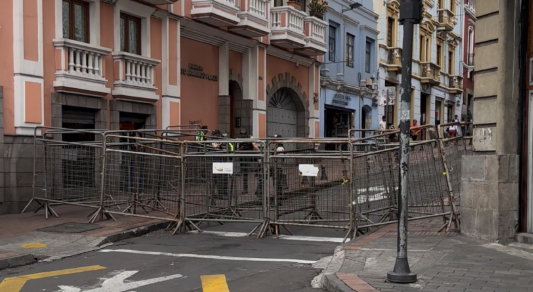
{"type": "Point", "coordinates": [240, 111]}
{"type": "Point", "coordinates": [285, 114]}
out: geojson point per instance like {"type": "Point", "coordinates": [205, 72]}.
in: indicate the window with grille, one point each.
{"type": "Point", "coordinates": [368, 55]}
{"type": "Point", "coordinates": [75, 16]}
{"type": "Point", "coordinates": [332, 40]}
{"type": "Point", "coordinates": [350, 39]}
{"type": "Point", "coordinates": [450, 63]}
{"type": "Point", "coordinates": [390, 31]}
{"type": "Point", "coordinates": [439, 55]}
{"type": "Point", "coordinates": [130, 34]}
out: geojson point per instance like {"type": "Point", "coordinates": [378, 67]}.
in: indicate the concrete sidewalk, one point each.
{"type": "Point", "coordinates": [443, 262]}
{"type": "Point", "coordinates": [29, 237]}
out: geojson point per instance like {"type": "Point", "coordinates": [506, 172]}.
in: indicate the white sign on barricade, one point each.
{"type": "Point", "coordinates": [222, 168]}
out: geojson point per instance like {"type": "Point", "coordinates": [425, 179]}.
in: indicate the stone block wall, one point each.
{"type": "Point", "coordinates": [490, 177]}
{"type": "Point", "coordinates": [489, 197]}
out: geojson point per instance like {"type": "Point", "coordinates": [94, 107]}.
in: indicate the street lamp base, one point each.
{"type": "Point", "coordinates": [402, 272]}
{"type": "Point", "coordinates": [394, 277]}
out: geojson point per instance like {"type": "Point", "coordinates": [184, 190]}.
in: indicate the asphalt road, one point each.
{"type": "Point", "coordinates": [211, 262]}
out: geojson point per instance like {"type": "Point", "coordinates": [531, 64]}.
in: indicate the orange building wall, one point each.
{"type": "Point", "coordinates": [277, 66]}
{"type": "Point", "coordinates": [235, 62]}
{"type": "Point", "coordinates": [173, 49]}
{"type": "Point", "coordinates": [261, 68]}
{"type": "Point", "coordinates": [156, 52]}
{"type": "Point", "coordinates": [199, 97]}
{"type": "Point", "coordinates": [6, 64]}
{"type": "Point", "coordinates": [30, 28]}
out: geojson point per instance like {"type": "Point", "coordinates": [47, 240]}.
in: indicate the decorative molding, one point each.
{"type": "Point", "coordinates": [341, 86]}
{"type": "Point", "coordinates": [370, 29]}
{"type": "Point", "coordinates": [276, 52]}
{"type": "Point", "coordinates": [394, 6]}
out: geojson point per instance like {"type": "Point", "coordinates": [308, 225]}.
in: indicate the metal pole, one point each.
{"type": "Point", "coordinates": [410, 14]}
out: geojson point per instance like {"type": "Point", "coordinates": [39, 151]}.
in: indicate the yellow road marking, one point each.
{"type": "Point", "coordinates": [34, 245]}
{"type": "Point", "coordinates": [15, 284]}
{"type": "Point", "coordinates": [214, 283]}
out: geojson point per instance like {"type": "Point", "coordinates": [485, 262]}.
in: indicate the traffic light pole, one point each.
{"type": "Point", "coordinates": [410, 14]}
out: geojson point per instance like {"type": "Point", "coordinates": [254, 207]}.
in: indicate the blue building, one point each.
{"type": "Point", "coordinates": [348, 73]}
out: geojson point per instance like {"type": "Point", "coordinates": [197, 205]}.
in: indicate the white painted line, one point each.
{"type": "Point", "coordinates": [390, 249]}
{"type": "Point", "coordinates": [221, 233]}
{"type": "Point", "coordinates": [214, 257]}
{"type": "Point", "coordinates": [286, 237]}
{"type": "Point", "coordinates": [313, 238]}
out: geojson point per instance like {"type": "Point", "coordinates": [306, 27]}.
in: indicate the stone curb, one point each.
{"type": "Point", "coordinates": [27, 259]}
{"type": "Point", "coordinates": [331, 283]}
{"type": "Point", "coordinates": [17, 261]}
{"type": "Point", "coordinates": [132, 233]}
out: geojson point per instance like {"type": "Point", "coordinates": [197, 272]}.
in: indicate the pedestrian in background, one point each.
{"type": "Point", "coordinates": [246, 164]}
{"type": "Point", "coordinates": [463, 127]}
{"type": "Point", "coordinates": [416, 131]}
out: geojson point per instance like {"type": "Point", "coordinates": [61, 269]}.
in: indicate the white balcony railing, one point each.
{"type": "Point", "coordinates": [220, 13]}
{"type": "Point", "coordinates": [315, 36]}
{"type": "Point", "coordinates": [79, 66]}
{"type": "Point", "coordinates": [253, 18]}
{"type": "Point", "coordinates": [258, 8]}
{"type": "Point", "coordinates": [294, 19]}
{"type": "Point", "coordinates": [318, 29]}
{"type": "Point", "coordinates": [136, 75]}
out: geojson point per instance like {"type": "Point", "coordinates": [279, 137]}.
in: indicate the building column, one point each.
{"type": "Point", "coordinates": [314, 101]}
{"type": "Point", "coordinates": [490, 177]}
{"type": "Point", "coordinates": [171, 77]}
{"type": "Point", "coordinates": [224, 100]}
{"type": "Point", "coordinates": [253, 88]}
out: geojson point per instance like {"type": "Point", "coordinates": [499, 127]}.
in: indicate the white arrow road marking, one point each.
{"type": "Point", "coordinates": [117, 284]}
{"type": "Point", "coordinates": [214, 257]}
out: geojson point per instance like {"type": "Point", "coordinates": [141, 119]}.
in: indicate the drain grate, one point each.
{"type": "Point", "coordinates": [71, 227]}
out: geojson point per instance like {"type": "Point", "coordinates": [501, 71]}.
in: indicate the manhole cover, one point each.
{"type": "Point", "coordinates": [70, 228]}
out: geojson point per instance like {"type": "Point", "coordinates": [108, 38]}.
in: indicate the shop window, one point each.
{"type": "Point", "coordinates": [332, 41]}
{"type": "Point", "coordinates": [130, 34]}
{"type": "Point", "coordinates": [75, 20]}
{"type": "Point", "coordinates": [349, 50]}
{"type": "Point", "coordinates": [368, 55]}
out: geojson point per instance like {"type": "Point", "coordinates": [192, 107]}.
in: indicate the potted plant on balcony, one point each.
{"type": "Point", "coordinates": [317, 8]}
{"type": "Point", "coordinates": [295, 4]}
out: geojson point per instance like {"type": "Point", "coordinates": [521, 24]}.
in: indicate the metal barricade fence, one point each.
{"type": "Point", "coordinates": [142, 177]}
{"type": "Point", "coordinates": [223, 186]}
{"type": "Point", "coordinates": [376, 184]}
{"type": "Point", "coordinates": [157, 174]}
{"type": "Point", "coordinates": [66, 172]}
{"type": "Point", "coordinates": [310, 186]}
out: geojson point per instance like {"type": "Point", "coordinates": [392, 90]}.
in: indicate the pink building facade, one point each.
{"type": "Point", "coordinates": [128, 64]}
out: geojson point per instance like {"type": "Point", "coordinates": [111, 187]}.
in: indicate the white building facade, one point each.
{"type": "Point", "coordinates": [437, 62]}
